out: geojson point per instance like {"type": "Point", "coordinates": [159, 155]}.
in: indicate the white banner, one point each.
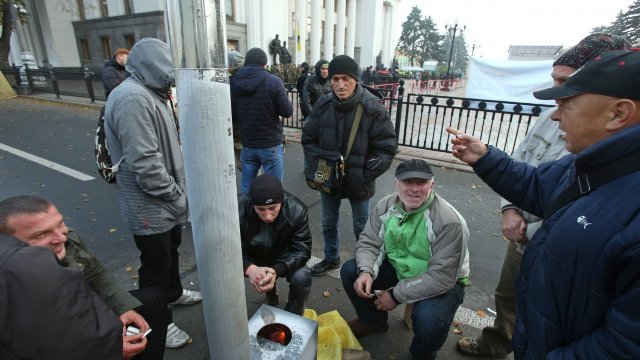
{"type": "Point", "coordinates": [508, 80]}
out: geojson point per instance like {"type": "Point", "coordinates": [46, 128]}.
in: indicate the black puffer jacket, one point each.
{"type": "Point", "coordinates": [284, 245]}
{"type": "Point", "coordinates": [49, 312]}
{"type": "Point", "coordinates": [328, 127]}
{"type": "Point", "coordinates": [314, 87]}
{"type": "Point", "coordinates": [112, 75]}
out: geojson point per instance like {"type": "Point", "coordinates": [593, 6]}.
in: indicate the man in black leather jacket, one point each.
{"type": "Point", "coordinates": [276, 241]}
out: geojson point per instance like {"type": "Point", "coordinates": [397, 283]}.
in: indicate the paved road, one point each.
{"type": "Point", "coordinates": [64, 134]}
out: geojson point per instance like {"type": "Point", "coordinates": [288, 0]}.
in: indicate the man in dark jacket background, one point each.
{"type": "Point", "coordinates": [315, 86]}
{"type": "Point", "coordinates": [258, 100]}
{"type": "Point", "coordinates": [276, 241]}
{"type": "Point", "coordinates": [114, 71]}
{"type": "Point", "coordinates": [327, 128]}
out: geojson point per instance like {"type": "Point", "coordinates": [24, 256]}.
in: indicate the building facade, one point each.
{"type": "Point", "coordinates": [72, 33]}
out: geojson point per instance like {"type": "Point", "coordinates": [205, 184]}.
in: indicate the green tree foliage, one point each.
{"type": "Point", "coordinates": [627, 24]}
{"type": "Point", "coordinates": [408, 42]}
{"type": "Point", "coordinates": [459, 54]}
{"type": "Point", "coordinates": [428, 41]}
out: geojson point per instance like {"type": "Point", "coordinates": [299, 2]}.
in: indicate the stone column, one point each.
{"type": "Point", "coordinates": [351, 28]}
{"type": "Point", "coordinates": [301, 31]}
{"type": "Point", "coordinates": [386, 29]}
{"type": "Point", "coordinates": [254, 24]}
{"type": "Point", "coordinates": [329, 20]}
{"type": "Point", "coordinates": [341, 23]}
{"type": "Point", "coordinates": [316, 30]}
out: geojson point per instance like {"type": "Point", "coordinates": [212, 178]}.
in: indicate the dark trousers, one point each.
{"type": "Point", "coordinates": [431, 317]}
{"type": "Point", "coordinates": [160, 263]}
{"type": "Point", "coordinates": [299, 288]}
{"type": "Point", "coordinates": [155, 311]}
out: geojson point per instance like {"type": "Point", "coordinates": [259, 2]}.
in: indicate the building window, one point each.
{"type": "Point", "coordinates": [106, 47]}
{"type": "Point", "coordinates": [127, 7]}
{"type": "Point", "coordinates": [229, 9]}
{"type": "Point", "coordinates": [129, 40]}
{"type": "Point", "coordinates": [81, 13]}
{"type": "Point", "coordinates": [84, 48]}
{"type": "Point", "coordinates": [233, 45]}
{"type": "Point", "coordinates": [104, 9]}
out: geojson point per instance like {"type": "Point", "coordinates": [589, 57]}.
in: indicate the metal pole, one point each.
{"type": "Point", "coordinates": [196, 33]}
{"type": "Point", "coordinates": [453, 39]}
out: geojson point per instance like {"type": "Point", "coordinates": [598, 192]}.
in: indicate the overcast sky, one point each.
{"type": "Point", "coordinates": [494, 25]}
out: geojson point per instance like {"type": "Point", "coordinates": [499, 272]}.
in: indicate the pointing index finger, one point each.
{"type": "Point", "coordinates": [454, 132]}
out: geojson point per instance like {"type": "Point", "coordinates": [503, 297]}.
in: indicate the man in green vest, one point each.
{"type": "Point", "coordinates": [413, 250]}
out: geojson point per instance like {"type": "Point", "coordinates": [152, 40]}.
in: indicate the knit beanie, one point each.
{"type": "Point", "coordinates": [343, 64]}
{"type": "Point", "coordinates": [266, 190]}
{"type": "Point", "coordinates": [255, 56]}
{"type": "Point", "coordinates": [234, 59]}
{"type": "Point", "coordinates": [590, 47]}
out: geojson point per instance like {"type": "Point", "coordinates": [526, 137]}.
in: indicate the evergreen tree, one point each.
{"type": "Point", "coordinates": [408, 43]}
{"type": "Point", "coordinates": [429, 41]}
{"type": "Point", "coordinates": [630, 23]}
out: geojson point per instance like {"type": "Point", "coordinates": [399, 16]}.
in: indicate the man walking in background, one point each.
{"type": "Point", "coordinates": [258, 100]}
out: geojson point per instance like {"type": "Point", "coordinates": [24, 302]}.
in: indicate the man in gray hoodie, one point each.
{"type": "Point", "coordinates": [142, 134]}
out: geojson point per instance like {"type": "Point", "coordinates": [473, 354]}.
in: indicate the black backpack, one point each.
{"type": "Point", "coordinates": [106, 168]}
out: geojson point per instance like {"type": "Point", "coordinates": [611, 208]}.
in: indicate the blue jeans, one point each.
{"type": "Point", "coordinates": [431, 317]}
{"type": "Point", "coordinates": [271, 159]}
{"type": "Point", "coordinates": [330, 218]}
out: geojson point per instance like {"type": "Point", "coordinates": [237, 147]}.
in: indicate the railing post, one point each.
{"type": "Point", "coordinates": [399, 110]}
{"type": "Point", "coordinates": [27, 72]}
{"type": "Point", "coordinates": [87, 78]}
{"type": "Point", "coordinates": [54, 82]}
{"type": "Point", "coordinates": [16, 71]}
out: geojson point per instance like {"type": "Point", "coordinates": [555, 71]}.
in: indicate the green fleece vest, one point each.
{"type": "Point", "coordinates": [406, 243]}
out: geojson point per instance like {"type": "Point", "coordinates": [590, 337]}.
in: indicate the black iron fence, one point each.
{"type": "Point", "coordinates": [420, 119]}
{"type": "Point", "coordinates": [59, 81]}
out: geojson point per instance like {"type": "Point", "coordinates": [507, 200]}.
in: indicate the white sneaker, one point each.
{"type": "Point", "coordinates": [175, 337]}
{"type": "Point", "coordinates": [188, 297]}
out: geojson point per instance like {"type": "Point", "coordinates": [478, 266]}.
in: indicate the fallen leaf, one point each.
{"type": "Point", "coordinates": [326, 294]}
{"type": "Point", "coordinates": [457, 331]}
{"type": "Point", "coordinates": [112, 230]}
{"type": "Point", "coordinates": [129, 268]}
{"type": "Point", "coordinates": [481, 313]}
{"type": "Point", "coordinates": [135, 276]}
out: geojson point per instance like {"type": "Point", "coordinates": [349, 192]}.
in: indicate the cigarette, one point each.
{"type": "Point", "coordinates": [146, 333]}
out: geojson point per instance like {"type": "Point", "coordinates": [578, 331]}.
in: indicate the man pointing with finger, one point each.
{"type": "Point", "coordinates": [578, 290]}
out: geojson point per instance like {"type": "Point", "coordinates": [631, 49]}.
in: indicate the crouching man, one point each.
{"type": "Point", "coordinates": [276, 241]}
{"type": "Point", "coordinates": [413, 249]}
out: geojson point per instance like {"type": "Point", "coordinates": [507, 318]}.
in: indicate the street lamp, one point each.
{"type": "Point", "coordinates": [473, 48]}
{"type": "Point", "coordinates": [453, 40]}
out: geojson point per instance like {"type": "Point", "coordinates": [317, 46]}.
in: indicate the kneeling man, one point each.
{"type": "Point", "coordinates": [413, 250]}
{"type": "Point", "coordinates": [276, 241]}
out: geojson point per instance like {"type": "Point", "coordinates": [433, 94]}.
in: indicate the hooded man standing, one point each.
{"type": "Point", "coordinates": [143, 139]}
{"type": "Point", "coordinates": [258, 100]}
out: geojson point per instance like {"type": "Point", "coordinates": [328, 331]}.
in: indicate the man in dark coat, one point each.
{"type": "Point", "coordinates": [316, 86]}
{"type": "Point", "coordinates": [31, 327]}
{"type": "Point", "coordinates": [276, 241]}
{"type": "Point", "coordinates": [327, 128]}
{"type": "Point", "coordinates": [578, 286]}
{"type": "Point", "coordinates": [114, 71]}
{"type": "Point", "coordinates": [258, 100]}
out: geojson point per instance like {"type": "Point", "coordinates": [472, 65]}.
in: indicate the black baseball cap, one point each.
{"type": "Point", "coordinates": [414, 169]}
{"type": "Point", "coordinates": [613, 73]}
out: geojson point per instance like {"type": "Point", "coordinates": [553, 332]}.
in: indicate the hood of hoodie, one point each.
{"type": "Point", "coordinates": [317, 69]}
{"type": "Point", "coordinates": [249, 78]}
{"type": "Point", "coordinates": [150, 63]}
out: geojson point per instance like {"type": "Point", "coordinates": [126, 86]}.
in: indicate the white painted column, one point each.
{"type": "Point", "coordinates": [301, 31]}
{"type": "Point", "coordinates": [341, 23]}
{"type": "Point", "coordinates": [316, 30]}
{"type": "Point", "coordinates": [386, 57]}
{"type": "Point", "coordinates": [329, 21]}
{"type": "Point", "coordinates": [351, 28]}
{"type": "Point", "coordinates": [254, 24]}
